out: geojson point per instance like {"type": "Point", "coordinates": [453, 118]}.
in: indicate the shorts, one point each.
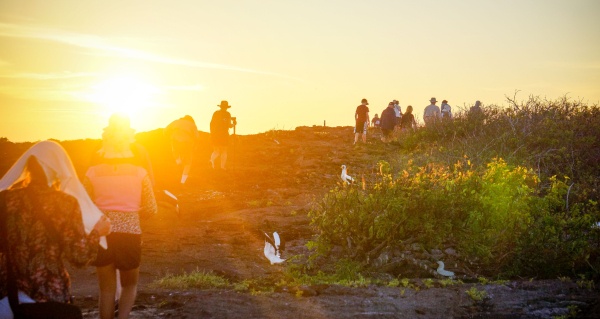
{"type": "Point", "coordinates": [361, 127]}
{"type": "Point", "coordinates": [124, 251]}
{"type": "Point", "coordinates": [219, 139]}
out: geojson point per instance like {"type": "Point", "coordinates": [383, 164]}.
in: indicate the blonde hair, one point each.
{"type": "Point", "coordinates": [117, 137]}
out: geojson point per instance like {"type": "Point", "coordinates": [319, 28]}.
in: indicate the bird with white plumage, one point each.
{"type": "Point", "coordinates": [440, 270]}
{"type": "Point", "coordinates": [345, 177]}
{"type": "Point", "coordinates": [273, 248]}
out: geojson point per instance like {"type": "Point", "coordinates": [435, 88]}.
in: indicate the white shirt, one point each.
{"type": "Point", "coordinates": [446, 110]}
{"type": "Point", "coordinates": [431, 110]}
{"type": "Point", "coordinates": [398, 110]}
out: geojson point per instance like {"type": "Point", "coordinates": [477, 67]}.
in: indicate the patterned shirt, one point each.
{"type": "Point", "coordinates": [37, 253]}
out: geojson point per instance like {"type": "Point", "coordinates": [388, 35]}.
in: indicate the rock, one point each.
{"type": "Point", "coordinates": [450, 251]}
{"type": "Point", "coordinates": [416, 247]}
{"type": "Point", "coordinates": [307, 291]}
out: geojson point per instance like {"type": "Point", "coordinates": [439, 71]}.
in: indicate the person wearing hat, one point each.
{"type": "Point", "coordinates": [446, 110]}
{"type": "Point", "coordinates": [119, 183]}
{"type": "Point", "coordinates": [220, 124]}
{"type": "Point", "coordinates": [361, 116]}
{"type": "Point", "coordinates": [431, 114]}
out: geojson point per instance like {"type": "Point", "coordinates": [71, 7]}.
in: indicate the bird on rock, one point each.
{"type": "Point", "coordinates": [273, 248]}
{"type": "Point", "coordinates": [440, 270]}
{"type": "Point", "coordinates": [345, 177]}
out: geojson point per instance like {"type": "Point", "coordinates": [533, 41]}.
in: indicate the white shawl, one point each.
{"type": "Point", "coordinates": [57, 165]}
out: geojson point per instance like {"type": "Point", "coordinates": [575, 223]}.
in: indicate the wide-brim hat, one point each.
{"type": "Point", "coordinates": [224, 105]}
{"type": "Point", "coordinates": [433, 100]}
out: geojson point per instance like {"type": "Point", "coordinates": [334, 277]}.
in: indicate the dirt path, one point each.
{"type": "Point", "coordinates": [273, 179]}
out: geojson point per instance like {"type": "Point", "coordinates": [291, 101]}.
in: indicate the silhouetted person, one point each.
{"type": "Point", "coordinates": [408, 119]}
{"type": "Point", "coordinates": [388, 122]}
{"type": "Point", "coordinates": [446, 110]}
{"type": "Point", "coordinates": [376, 121]}
{"type": "Point", "coordinates": [183, 135]}
{"type": "Point", "coordinates": [361, 117]}
{"type": "Point", "coordinates": [431, 114]}
{"type": "Point", "coordinates": [220, 124]}
{"type": "Point", "coordinates": [45, 215]}
{"type": "Point", "coordinates": [124, 192]}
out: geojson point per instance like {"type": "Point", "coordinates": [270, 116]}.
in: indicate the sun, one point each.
{"type": "Point", "coordinates": [126, 94]}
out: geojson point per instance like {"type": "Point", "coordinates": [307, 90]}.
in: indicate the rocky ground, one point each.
{"type": "Point", "coordinates": [271, 181]}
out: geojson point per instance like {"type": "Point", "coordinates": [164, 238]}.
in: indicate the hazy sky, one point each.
{"type": "Point", "coordinates": [65, 65]}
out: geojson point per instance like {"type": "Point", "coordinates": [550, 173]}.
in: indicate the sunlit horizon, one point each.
{"type": "Point", "coordinates": [67, 65]}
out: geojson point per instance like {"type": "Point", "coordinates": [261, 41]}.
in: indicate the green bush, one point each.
{"type": "Point", "coordinates": [483, 213]}
{"type": "Point", "coordinates": [494, 187]}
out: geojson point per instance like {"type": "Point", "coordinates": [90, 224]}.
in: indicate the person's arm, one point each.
{"type": "Point", "coordinates": [149, 207]}
{"type": "Point", "coordinates": [78, 248]}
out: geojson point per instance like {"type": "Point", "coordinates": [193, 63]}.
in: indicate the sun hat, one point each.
{"type": "Point", "coordinates": [224, 105]}
{"type": "Point", "coordinates": [433, 100]}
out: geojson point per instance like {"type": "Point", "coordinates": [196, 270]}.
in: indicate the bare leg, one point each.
{"type": "Point", "coordinates": [213, 157]}
{"type": "Point", "coordinates": [364, 137]}
{"type": "Point", "coordinates": [107, 280]}
{"type": "Point", "coordinates": [223, 157]}
{"type": "Point", "coordinates": [118, 290]}
{"type": "Point", "coordinates": [129, 280]}
{"type": "Point", "coordinates": [186, 172]}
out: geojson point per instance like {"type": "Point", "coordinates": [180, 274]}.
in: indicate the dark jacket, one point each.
{"type": "Point", "coordinates": [388, 119]}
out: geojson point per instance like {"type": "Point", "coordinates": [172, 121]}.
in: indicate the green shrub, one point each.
{"type": "Point", "coordinates": [195, 280]}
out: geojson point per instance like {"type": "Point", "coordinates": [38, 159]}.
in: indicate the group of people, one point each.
{"type": "Point", "coordinates": [47, 215]}
{"type": "Point", "coordinates": [183, 135]}
{"type": "Point", "coordinates": [392, 118]}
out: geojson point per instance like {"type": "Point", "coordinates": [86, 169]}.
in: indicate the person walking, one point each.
{"type": "Point", "coordinates": [361, 117]}
{"type": "Point", "coordinates": [398, 111]}
{"type": "Point", "coordinates": [220, 124]}
{"type": "Point", "coordinates": [123, 191]}
{"type": "Point", "coordinates": [388, 122]}
{"type": "Point", "coordinates": [183, 135]}
{"type": "Point", "coordinates": [46, 218]}
{"type": "Point", "coordinates": [376, 121]}
{"type": "Point", "coordinates": [431, 114]}
{"type": "Point", "coordinates": [408, 120]}
{"type": "Point", "coordinates": [446, 110]}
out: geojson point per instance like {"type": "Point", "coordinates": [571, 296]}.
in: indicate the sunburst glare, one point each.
{"type": "Point", "coordinates": [126, 94]}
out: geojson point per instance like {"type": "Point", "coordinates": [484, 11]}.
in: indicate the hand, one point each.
{"type": "Point", "coordinates": [103, 226]}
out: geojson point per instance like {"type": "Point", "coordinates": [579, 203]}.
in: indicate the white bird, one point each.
{"type": "Point", "coordinates": [440, 270]}
{"type": "Point", "coordinates": [345, 177]}
{"type": "Point", "coordinates": [273, 248]}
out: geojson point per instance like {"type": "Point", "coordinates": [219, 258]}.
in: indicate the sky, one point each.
{"type": "Point", "coordinates": [66, 65]}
